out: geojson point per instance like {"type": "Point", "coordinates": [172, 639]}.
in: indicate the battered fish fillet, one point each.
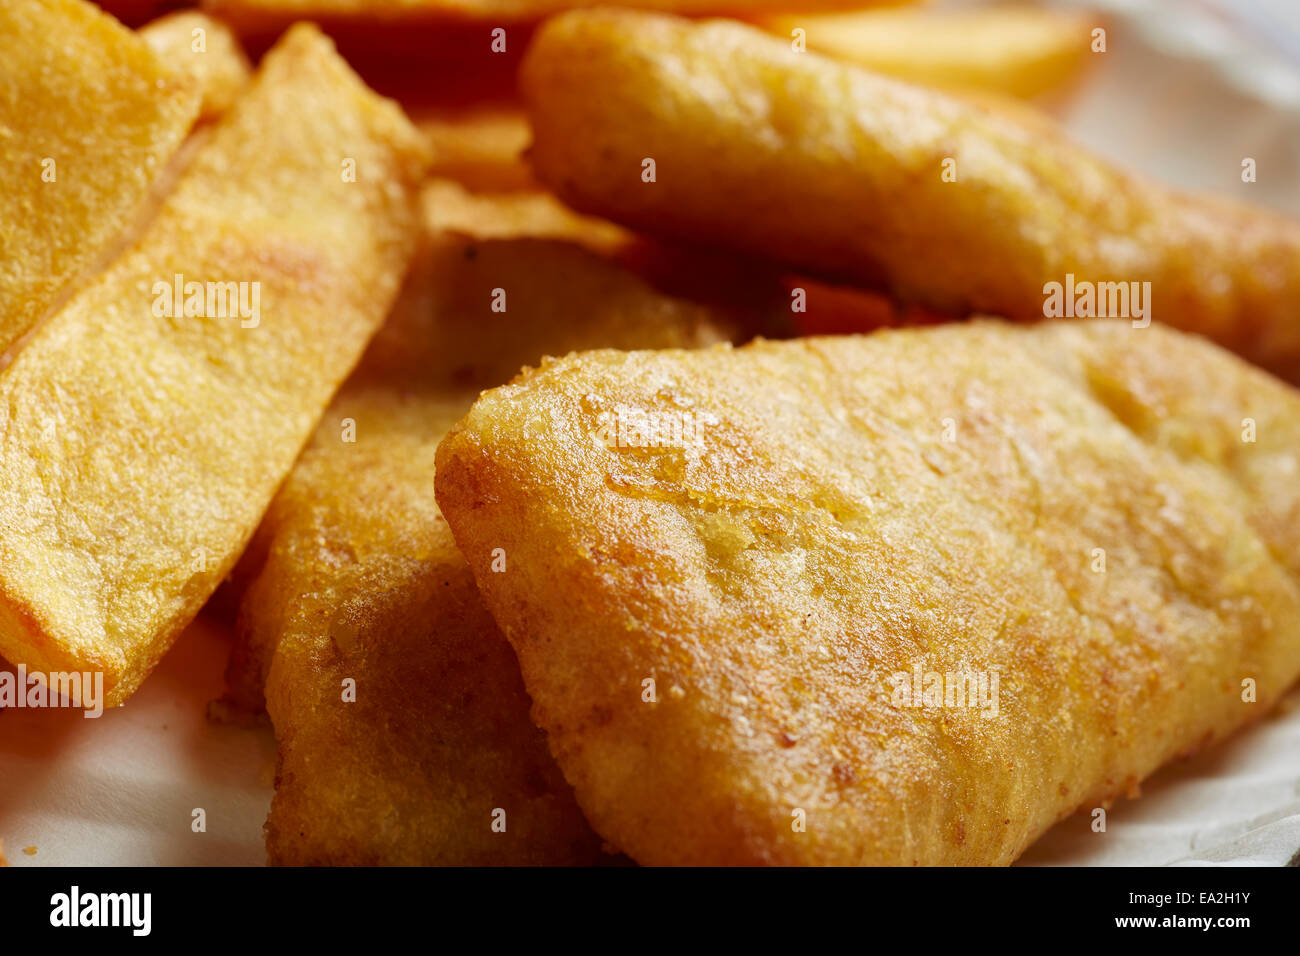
{"type": "Point", "coordinates": [839, 171]}
{"type": "Point", "coordinates": [1059, 530]}
{"type": "Point", "coordinates": [205, 49]}
{"type": "Point", "coordinates": [1019, 51]}
{"type": "Point", "coordinates": [89, 117]}
{"type": "Point", "coordinates": [139, 445]}
{"type": "Point", "coordinates": [360, 579]}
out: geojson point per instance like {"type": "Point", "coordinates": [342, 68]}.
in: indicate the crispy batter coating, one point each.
{"type": "Point", "coordinates": [213, 57]}
{"type": "Point", "coordinates": [89, 116]}
{"type": "Point", "coordinates": [839, 171]}
{"type": "Point", "coordinates": [861, 507]}
{"type": "Point", "coordinates": [359, 576]}
{"type": "Point", "coordinates": [139, 450]}
{"type": "Point", "coordinates": [1019, 51]}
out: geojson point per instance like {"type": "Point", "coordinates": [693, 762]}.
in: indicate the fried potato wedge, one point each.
{"type": "Point", "coordinates": [841, 172]}
{"type": "Point", "coordinates": [359, 578]}
{"type": "Point", "coordinates": [1018, 51]}
{"type": "Point", "coordinates": [139, 444]}
{"type": "Point", "coordinates": [482, 148]}
{"type": "Point", "coordinates": [734, 642]}
{"type": "Point", "coordinates": [206, 49]}
{"type": "Point", "coordinates": [450, 207]}
{"type": "Point", "coordinates": [86, 125]}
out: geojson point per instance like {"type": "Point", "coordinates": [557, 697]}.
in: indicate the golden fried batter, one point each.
{"type": "Point", "coordinates": [359, 577]}
{"type": "Point", "coordinates": [1069, 510]}
{"type": "Point", "coordinates": [841, 172]}
{"type": "Point", "coordinates": [88, 118]}
{"type": "Point", "coordinates": [139, 445]}
{"type": "Point", "coordinates": [205, 49]}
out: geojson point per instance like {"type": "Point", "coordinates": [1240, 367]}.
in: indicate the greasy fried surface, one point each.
{"type": "Point", "coordinates": [839, 171]}
{"type": "Point", "coordinates": [482, 148]}
{"type": "Point", "coordinates": [824, 537]}
{"type": "Point", "coordinates": [138, 451]}
{"type": "Point", "coordinates": [449, 206]}
{"type": "Point", "coordinates": [206, 49]}
{"type": "Point", "coordinates": [360, 577]}
{"type": "Point", "coordinates": [1021, 51]}
{"type": "Point", "coordinates": [86, 123]}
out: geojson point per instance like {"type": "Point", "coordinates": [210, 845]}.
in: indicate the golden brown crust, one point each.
{"type": "Point", "coordinates": [839, 171]}
{"type": "Point", "coordinates": [361, 578]}
{"type": "Point", "coordinates": [828, 534]}
{"type": "Point", "coordinates": [138, 450]}
{"type": "Point", "coordinates": [89, 116]}
{"type": "Point", "coordinates": [480, 147]}
{"type": "Point", "coordinates": [205, 49]}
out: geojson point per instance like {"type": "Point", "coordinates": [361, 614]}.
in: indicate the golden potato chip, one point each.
{"type": "Point", "coordinates": [88, 118]}
{"type": "Point", "coordinates": [905, 598]}
{"type": "Point", "coordinates": [357, 578]}
{"type": "Point", "coordinates": [718, 132]}
{"type": "Point", "coordinates": [206, 49]}
{"type": "Point", "coordinates": [450, 207]}
{"type": "Point", "coordinates": [481, 148]}
{"type": "Point", "coordinates": [1019, 51]}
{"type": "Point", "coordinates": [146, 426]}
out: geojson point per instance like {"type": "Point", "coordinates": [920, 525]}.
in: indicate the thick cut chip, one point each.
{"type": "Point", "coordinates": [88, 119]}
{"type": "Point", "coordinates": [359, 577]}
{"type": "Point", "coordinates": [1019, 51]}
{"type": "Point", "coordinates": [143, 434]}
{"type": "Point", "coordinates": [451, 207]}
{"type": "Point", "coordinates": [481, 148]}
{"type": "Point", "coordinates": [205, 49]}
{"type": "Point", "coordinates": [842, 172]}
{"type": "Point", "coordinates": [893, 599]}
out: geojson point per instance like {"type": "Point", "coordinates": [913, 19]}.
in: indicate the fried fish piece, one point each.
{"type": "Point", "coordinates": [140, 442]}
{"type": "Point", "coordinates": [89, 117]}
{"type": "Point", "coordinates": [205, 49]}
{"type": "Point", "coordinates": [839, 171]}
{"type": "Point", "coordinates": [359, 578]}
{"type": "Point", "coordinates": [1018, 51]}
{"type": "Point", "coordinates": [906, 598]}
